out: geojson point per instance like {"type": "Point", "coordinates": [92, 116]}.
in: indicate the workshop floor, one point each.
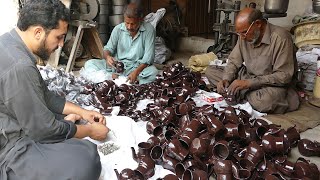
{"type": "Point", "coordinates": [306, 118]}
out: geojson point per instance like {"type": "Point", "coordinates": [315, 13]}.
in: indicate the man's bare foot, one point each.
{"type": "Point", "coordinates": [114, 76]}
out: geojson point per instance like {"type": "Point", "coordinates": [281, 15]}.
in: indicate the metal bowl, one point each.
{"type": "Point", "coordinates": [276, 6]}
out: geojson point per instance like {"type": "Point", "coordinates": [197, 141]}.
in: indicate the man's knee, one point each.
{"type": "Point", "coordinates": [214, 74]}
{"type": "Point", "coordinates": [261, 104]}
{"type": "Point", "coordinates": [268, 100]}
{"type": "Point", "coordinates": [90, 164]}
{"type": "Point", "coordinates": [148, 75]}
{"type": "Point", "coordinates": [95, 65]}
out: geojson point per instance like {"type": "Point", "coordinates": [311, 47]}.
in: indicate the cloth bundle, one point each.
{"type": "Point", "coordinates": [199, 63]}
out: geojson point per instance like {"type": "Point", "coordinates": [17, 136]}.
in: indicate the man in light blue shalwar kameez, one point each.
{"type": "Point", "coordinates": [131, 42]}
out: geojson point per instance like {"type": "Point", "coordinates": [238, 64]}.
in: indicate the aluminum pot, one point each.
{"type": "Point", "coordinates": [115, 19]}
{"type": "Point", "coordinates": [117, 9]}
{"type": "Point", "coordinates": [119, 2]}
{"type": "Point", "coordinates": [103, 19]}
{"type": "Point", "coordinates": [105, 2]}
{"type": "Point", "coordinates": [316, 6]}
{"type": "Point", "coordinates": [104, 37]}
{"type": "Point", "coordinates": [104, 9]}
{"type": "Point", "coordinates": [276, 6]}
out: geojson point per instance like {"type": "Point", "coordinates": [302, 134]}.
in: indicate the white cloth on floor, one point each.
{"type": "Point", "coordinates": [127, 133]}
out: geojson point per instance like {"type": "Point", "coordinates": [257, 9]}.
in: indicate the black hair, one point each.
{"type": "Point", "coordinates": [255, 15]}
{"type": "Point", "coordinates": [45, 13]}
{"type": "Point", "coordinates": [133, 10]}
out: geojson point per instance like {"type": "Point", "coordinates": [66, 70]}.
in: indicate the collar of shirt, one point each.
{"type": "Point", "coordinates": [123, 28]}
{"type": "Point", "coordinates": [16, 36]}
{"type": "Point", "coordinates": [267, 35]}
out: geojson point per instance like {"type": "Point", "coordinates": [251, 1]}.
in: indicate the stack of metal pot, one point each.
{"type": "Point", "coordinates": [103, 20]}
{"type": "Point", "coordinates": [117, 12]}
{"type": "Point", "coordinates": [316, 6]}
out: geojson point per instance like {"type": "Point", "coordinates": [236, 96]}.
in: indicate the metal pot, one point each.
{"type": "Point", "coordinates": [117, 9]}
{"type": "Point", "coordinates": [316, 6]}
{"type": "Point", "coordinates": [119, 2]}
{"type": "Point", "coordinates": [276, 6]}
{"type": "Point", "coordinates": [115, 19]}
{"type": "Point", "coordinates": [104, 2]}
{"type": "Point", "coordinates": [104, 9]}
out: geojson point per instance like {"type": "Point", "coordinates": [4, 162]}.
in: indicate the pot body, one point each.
{"type": "Point", "coordinates": [119, 2]}
{"type": "Point", "coordinates": [276, 6]}
{"type": "Point", "coordinates": [316, 6]}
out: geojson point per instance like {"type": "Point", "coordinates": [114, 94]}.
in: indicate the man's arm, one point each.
{"type": "Point", "coordinates": [134, 74]}
{"type": "Point", "coordinates": [235, 61]}
{"type": "Point", "coordinates": [111, 47]}
{"type": "Point", "coordinates": [94, 130]}
{"type": "Point", "coordinates": [108, 57]}
{"type": "Point", "coordinates": [91, 116]}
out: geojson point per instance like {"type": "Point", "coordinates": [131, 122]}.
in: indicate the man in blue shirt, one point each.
{"type": "Point", "coordinates": [131, 42]}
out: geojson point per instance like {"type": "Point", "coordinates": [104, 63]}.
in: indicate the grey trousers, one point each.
{"type": "Point", "coordinates": [72, 159]}
{"type": "Point", "coordinates": [266, 99]}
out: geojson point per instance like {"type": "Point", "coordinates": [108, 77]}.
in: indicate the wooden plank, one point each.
{"type": "Point", "coordinates": [92, 42]}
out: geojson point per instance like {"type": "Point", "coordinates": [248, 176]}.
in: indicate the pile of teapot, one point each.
{"type": "Point", "coordinates": [227, 144]}
{"type": "Point", "coordinates": [198, 142]}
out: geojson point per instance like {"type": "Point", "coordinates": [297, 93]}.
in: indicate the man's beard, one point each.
{"type": "Point", "coordinates": [42, 51]}
{"type": "Point", "coordinates": [133, 30]}
{"type": "Point", "coordinates": [255, 38]}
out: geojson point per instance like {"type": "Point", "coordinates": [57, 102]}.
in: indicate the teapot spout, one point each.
{"type": "Point", "coordinates": [117, 173]}
{"type": "Point", "coordinates": [134, 155]}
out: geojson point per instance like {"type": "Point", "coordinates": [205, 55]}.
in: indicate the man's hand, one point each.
{"type": "Point", "coordinates": [93, 116]}
{"type": "Point", "coordinates": [238, 85]}
{"type": "Point", "coordinates": [107, 56]}
{"type": "Point", "coordinates": [72, 117]}
{"type": "Point", "coordinates": [222, 86]}
{"type": "Point", "coordinates": [98, 131]}
{"type": "Point", "coordinates": [132, 78]}
{"type": "Point", "coordinates": [114, 76]}
{"type": "Point", "coordinates": [110, 61]}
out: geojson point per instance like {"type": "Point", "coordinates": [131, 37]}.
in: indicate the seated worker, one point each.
{"type": "Point", "coordinates": [35, 143]}
{"type": "Point", "coordinates": [131, 42]}
{"type": "Point", "coordinates": [262, 65]}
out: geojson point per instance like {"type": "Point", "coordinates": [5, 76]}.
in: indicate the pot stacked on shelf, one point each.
{"type": "Point", "coordinates": [117, 12]}
{"type": "Point", "coordinates": [103, 20]}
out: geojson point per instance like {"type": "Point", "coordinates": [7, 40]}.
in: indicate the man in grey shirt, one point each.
{"type": "Point", "coordinates": [262, 65]}
{"type": "Point", "coordinates": [34, 143]}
